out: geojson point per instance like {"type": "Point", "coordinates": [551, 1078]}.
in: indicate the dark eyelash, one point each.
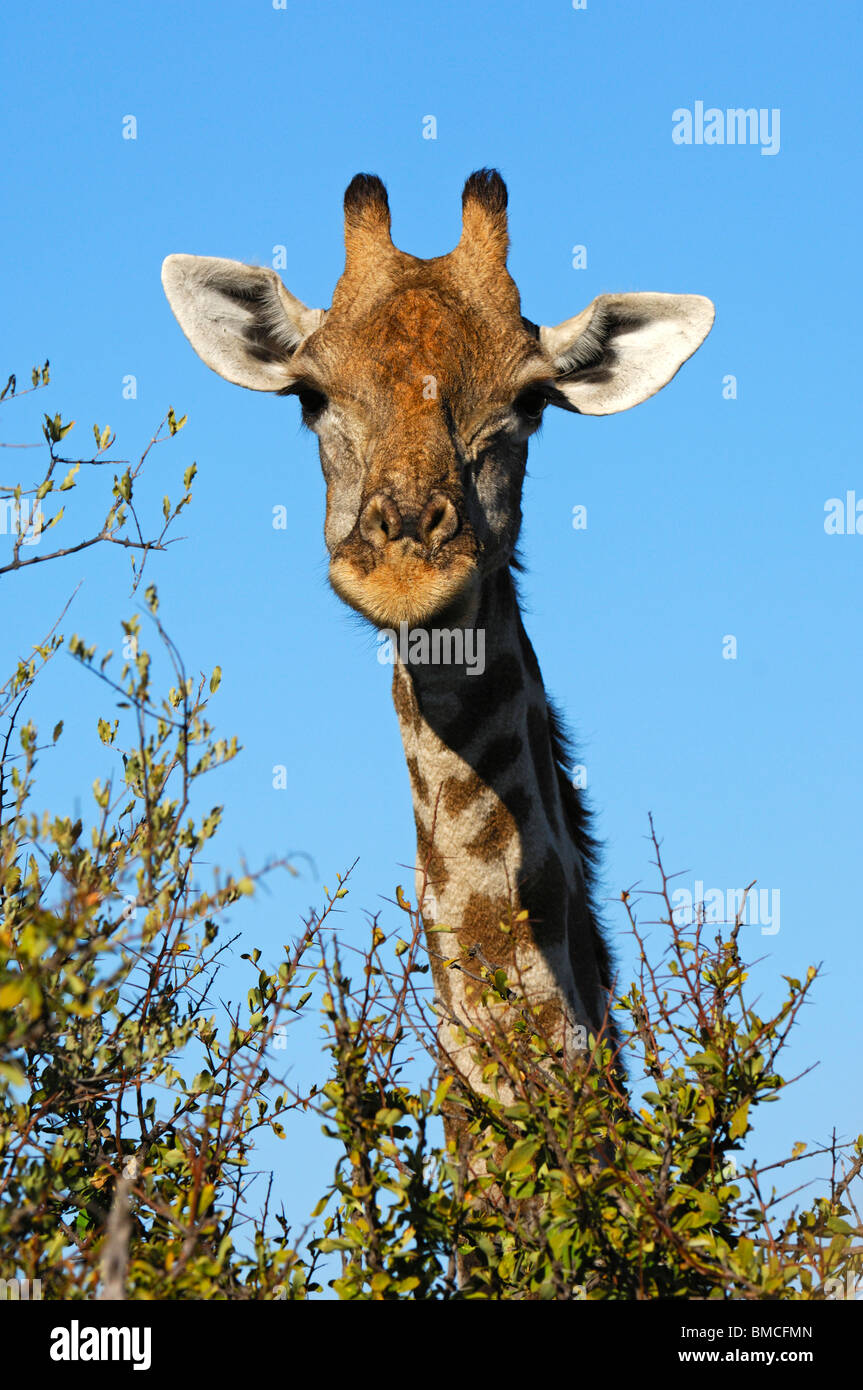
{"type": "Point", "coordinates": [312, 401]}
{"type": "Point", "coordinates": [531, 403]}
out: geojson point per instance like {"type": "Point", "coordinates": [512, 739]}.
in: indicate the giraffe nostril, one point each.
{"type": "Point", "coordinates": [380, 521]}
{"type": "Point", "coordinates": [439, 521]}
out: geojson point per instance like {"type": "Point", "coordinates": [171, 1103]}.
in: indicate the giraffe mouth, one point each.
{"type": "Point", "coordinates": [405, 585]}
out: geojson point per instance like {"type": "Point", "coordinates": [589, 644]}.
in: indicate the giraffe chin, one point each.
{"type": "Point", "coordinates": [409, 590]}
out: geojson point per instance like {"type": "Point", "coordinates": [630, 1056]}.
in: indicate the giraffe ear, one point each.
{"type": "Point", "coordinates": [239, 318]}
{"type": "Point", "coordinates": [624, 348]}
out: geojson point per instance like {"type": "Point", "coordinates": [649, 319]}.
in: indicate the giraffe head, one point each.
{"type": "Point", "coordinates": [423, 383]}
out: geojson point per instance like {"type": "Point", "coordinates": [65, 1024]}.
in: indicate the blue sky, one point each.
{"type": "Point", "coordinates": [705, 514]}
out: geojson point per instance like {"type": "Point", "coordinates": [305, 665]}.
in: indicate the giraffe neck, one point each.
{"type": "Point", "coordinates": [500, 831]}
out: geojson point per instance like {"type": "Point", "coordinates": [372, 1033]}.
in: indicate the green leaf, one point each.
{"type": "Point", "coordinates": [710, 1206]}
{"type": "Point", "coordinates": [387, 1118]}
{"type": "Point", "coordinates": [12, 993]}
{"type": "Point", "coordinates": [837, 1227]}
{"type": "Point", "coordinates": [521, 1155]}
{"type": "Point", "coordinates": [54, 430]}
{"type": "Point", "coordinates": [441, 1093]}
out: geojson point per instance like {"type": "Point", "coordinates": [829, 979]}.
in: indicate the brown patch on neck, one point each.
{"type": "Point", "coordinates": [499, 828]}
{"type": "Point", "coordinates": [482, 926]}
{"type": "Point", "coordinates": [430, 861]}
{"type": "Point", "coordinates": [457, 793]}
{"type": "Point", "coordinates": [405, 700]}
{"type": "Point", "coordinates": [419, 785]}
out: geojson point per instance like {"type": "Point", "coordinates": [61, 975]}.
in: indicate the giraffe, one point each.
{"type": "Point", "coordinates": [423, 383]}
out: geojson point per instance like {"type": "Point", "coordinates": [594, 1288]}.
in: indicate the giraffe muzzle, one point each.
{"type": "Point", "coordinates": [404, 563]}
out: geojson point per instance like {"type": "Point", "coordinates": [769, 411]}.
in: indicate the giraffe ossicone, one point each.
{"type": "Point", "coordinates": [423, 382]}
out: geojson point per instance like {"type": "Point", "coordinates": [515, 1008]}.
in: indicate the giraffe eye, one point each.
{"type": "Point", "coordinates": [531, 403]}
{"type": "Point", "coordinates": [311, 401]}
